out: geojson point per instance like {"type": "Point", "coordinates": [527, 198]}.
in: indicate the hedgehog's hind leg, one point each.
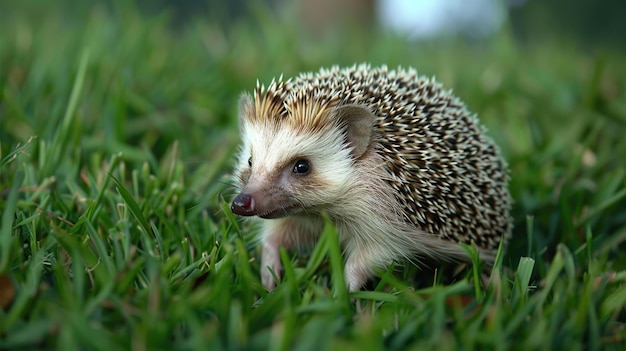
{"type": "Point", "coordinates": [361, 259]}
{"type": "Point", "coordinates": [357, 271]}
{"type": "Point", "coordinates": [293, 232]}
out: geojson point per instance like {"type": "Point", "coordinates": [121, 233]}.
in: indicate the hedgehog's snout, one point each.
{"type": "Point", "coordinates": [243, 205]}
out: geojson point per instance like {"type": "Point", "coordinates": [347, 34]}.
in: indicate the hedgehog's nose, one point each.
{"type": "Point", "coordinates": [243, 205]}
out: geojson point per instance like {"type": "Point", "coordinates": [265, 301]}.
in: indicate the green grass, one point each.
{"type": "Point", "coordinates": [117, 134]}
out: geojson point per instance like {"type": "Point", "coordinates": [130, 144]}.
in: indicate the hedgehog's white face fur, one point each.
{"type": "Point", "coordinates": [289, 170]}
{"type": "Point", "coordinates": [397, 163]}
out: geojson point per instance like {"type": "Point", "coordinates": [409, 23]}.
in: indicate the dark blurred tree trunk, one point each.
{"type": "Point", "coordinates": [323, 16]}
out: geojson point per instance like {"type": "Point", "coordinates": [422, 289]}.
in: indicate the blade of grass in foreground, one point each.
{"type": "Point", "coordinates": [472, 252]}
{"type": "Point", "coordinates": [6, 234]}
{"type": "Point", "coordinates": [522, 279]}
{"type": "Point", "coordinates": [132, 205]}
{"type": "Point", "coordinates": [4, 160]}
{"type": "Point", "coordinates": [336, 264]}
{"type": "Point", "coordinates": [92, 211]}
{"type": "Point", "coordinates": [614, 303]}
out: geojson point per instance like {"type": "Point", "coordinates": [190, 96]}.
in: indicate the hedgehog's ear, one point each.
{"type": "Point", "coordinates": [246, 108]}
{"type": "Point", "coordinates": [359, 121]}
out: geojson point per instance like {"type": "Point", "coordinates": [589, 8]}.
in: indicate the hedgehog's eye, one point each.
{"type": "Point", "coordinates": [301, 167]}
{"type": "Point", "coordinates": [250, 162]}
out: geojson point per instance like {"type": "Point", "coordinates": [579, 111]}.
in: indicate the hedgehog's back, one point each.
{"type": "Point", "coordinates": [448, 174]}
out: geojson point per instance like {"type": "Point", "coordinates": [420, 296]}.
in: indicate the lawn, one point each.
{"type": "Point", "coordinates": [118, 130]}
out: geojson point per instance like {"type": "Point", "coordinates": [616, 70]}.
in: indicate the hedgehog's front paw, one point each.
{"type": "Point", "coordinates": [270, 261]}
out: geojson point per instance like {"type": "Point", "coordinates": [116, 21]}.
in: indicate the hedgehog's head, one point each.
{"type": "Point", "coordinates": [297, 156]}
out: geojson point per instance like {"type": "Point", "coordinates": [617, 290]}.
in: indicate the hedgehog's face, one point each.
{"type": "Point", "coordinates": [285, 169]}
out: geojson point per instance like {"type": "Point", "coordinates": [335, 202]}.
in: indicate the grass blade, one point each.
{"type": "Point", "coordinates": [6, 236]}
{"type": "Point", "coordinates": [132, 206]}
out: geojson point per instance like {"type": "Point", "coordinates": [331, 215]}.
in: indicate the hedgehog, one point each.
{"type": "Point", "coordinates": [398, 164]}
